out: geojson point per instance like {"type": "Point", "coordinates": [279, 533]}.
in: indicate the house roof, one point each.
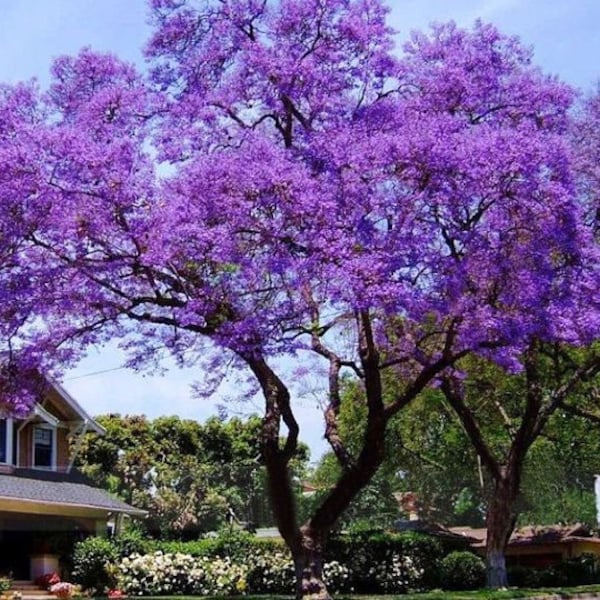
{"type": "Point", "coordinates": [534, 535]}
{"type": "Point", "coordinates": [74, 406]}
{"type": "Point", "coordinates": [433, 529]}
{"type": "Point", "coordinates": [64, 492]}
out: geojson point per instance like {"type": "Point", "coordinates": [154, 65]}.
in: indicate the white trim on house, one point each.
{"type": "Point", "coordinates": [9, 441]}
{"type": "Point", "coordinates": [46, 416]}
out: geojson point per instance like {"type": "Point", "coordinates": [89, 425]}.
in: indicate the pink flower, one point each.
{"type": "Point", "coordinates": [62, 589]}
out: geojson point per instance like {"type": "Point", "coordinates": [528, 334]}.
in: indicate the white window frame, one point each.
{"type": "Point", "coordinates": [53, 449]}
{"type": "Point", "coordinates": [9, 441]}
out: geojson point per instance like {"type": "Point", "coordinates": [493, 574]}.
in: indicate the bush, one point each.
{"type": "Point", "coordinates": [161, 574]}
{"type": "Point", "coordinates": [387, 563]}
{"type": "Point", "coordinates": [577, 571]}
{"type": "Point", "coordinates": [462, 571]}
{"type": "Point", "coordinates": [164, 574]}
{"type": "Point", "coordinates": [270, 573]}
{"type": "Point", "coordinates": [5, 583]}
{"type": "Point", "coordinates": [523, 577]}
{"type": "Point", "coordinates": [91, 561]}
{"type": "Point", "coordinates": [132, 541]}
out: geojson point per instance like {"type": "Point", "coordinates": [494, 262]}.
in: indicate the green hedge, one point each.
{"type": "Point", "coordinates": [362, 562]}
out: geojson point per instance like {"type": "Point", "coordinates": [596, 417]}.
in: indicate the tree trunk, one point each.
{"type": "Point", "coordinates": [500, 523]}
{"type": "Point", "coordinates": [308, 565]}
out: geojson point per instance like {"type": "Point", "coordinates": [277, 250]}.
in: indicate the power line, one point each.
{"type": "Point", "coordinates": [95, 373]}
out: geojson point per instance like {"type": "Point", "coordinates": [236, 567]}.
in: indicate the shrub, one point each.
{"type": "Point", "coordinates": [64, 590]}
{"type": "Point", "coordinates": [523, 577]}
{"type": "Point", "coordinates": [91, 561]}
{"type": "Point", "coordinates": [462, 571]}
{"type": "Point", "coordinates": [5, 583]}
{"type": "Point", "coordinates": [161, 574]}
{"type": "Point", "coordinates": [577, 571]}
{"type": "Point", "coordinates": [270, 573]}
{"type": "Point", "coordinates": [172, 574]}
{"type": "Point", "coordinates": [387, 563]}
{"type": "Point", "coordinates": [132, 541]}
{"type": "Point", "coordinates": [47, 580]}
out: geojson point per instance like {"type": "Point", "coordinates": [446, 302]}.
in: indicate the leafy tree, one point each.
{"type": "Point", "coordinates": [552, 378]}
{"type": "Point", "coordinates": [314, 185]}
{"type": "Point", "coordinates": [189, 477]}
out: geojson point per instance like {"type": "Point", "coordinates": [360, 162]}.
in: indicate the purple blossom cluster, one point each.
{"type": "Point", "coordinates": [283, 168]}
{"type": "Point", "coordinates": [282, 181]}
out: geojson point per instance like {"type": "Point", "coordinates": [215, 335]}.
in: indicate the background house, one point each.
{"type": "Point", "coordinates": [540, 546]}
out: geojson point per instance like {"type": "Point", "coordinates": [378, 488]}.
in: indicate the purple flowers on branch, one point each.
{"type": "Point", "coordinates": [282, 176]}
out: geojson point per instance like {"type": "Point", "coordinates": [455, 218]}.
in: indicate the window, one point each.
{"type": "Point", "coordinates": [43, 447]}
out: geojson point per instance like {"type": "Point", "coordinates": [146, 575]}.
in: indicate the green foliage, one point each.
{"type": "Point", "coordinates": [190, 477]}
{"type": "Point", "coordinates": [388, 563]}
{"type": "Point", "coordinates": [559, 474]}
{"type": "Point", "coordinates": [92, 559]}
{"type": "Point", "coordinates": [131, 541]}
{"type": "Point", "coordinates": [426, 441]}
{"type": "Point", "coordinates": [578, 571]}
{"type": "Point", "coordinates": [462, 571]}
{"type": "Point", "coordinates": [363, 561]}
{"type": "Point", "coordinates": [233, 544]}
{"type": "Point", "coordinates": [5, 583]}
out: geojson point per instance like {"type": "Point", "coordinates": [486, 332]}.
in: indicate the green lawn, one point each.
{"type": "Point", "coordinates": [435, 595]}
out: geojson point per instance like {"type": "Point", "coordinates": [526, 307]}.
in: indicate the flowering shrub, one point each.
{"type": "Point", "coordinates": [166, 574]}
{"type": "Point", "coordinates": [273, 573]}
{"type": "Point", "coordinates": [270, 573]}
{"type": "Point", "coordinates": [64, 589]}
{"type": "Point", "coordinates": [395, 575]}
{"type": "Point", "coordinates": [388, 563]}
{"type": "Point", "coordinates": [160, 574]}
{"type": "Point", "coordinates": [338, 577]}
{"type": "Point", "coordinates": [363, 562]}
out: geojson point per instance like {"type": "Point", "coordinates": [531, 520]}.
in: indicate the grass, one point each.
{"type": "Point", "coordinates": [484, 594]}
{"type": "Point", "coordinates": [509, 594]}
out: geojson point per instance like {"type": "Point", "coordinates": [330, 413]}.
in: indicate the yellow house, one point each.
{"type": "Point", "coordinates": [540, 546]}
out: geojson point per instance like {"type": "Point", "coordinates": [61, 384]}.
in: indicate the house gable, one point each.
{"type": "Point", "coordinates": [43, 439]}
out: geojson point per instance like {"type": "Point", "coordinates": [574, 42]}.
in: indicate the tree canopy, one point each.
{"type": "Point", "coordinates": [192, 478]}
{"type": "Point", "coordinates": [284, 185]}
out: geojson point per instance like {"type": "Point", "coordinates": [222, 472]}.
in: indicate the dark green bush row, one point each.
{"type": "Point", "coordinates": [580, 571]}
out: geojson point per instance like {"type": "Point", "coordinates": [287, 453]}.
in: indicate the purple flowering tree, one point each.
{"type": "Point", "coordinates": [21, 208]}
{"type": "Point", "coordinates": [317, 196]}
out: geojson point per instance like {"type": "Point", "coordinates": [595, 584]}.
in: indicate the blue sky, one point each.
{"type": "Point", "coordinates": [565, 36]}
